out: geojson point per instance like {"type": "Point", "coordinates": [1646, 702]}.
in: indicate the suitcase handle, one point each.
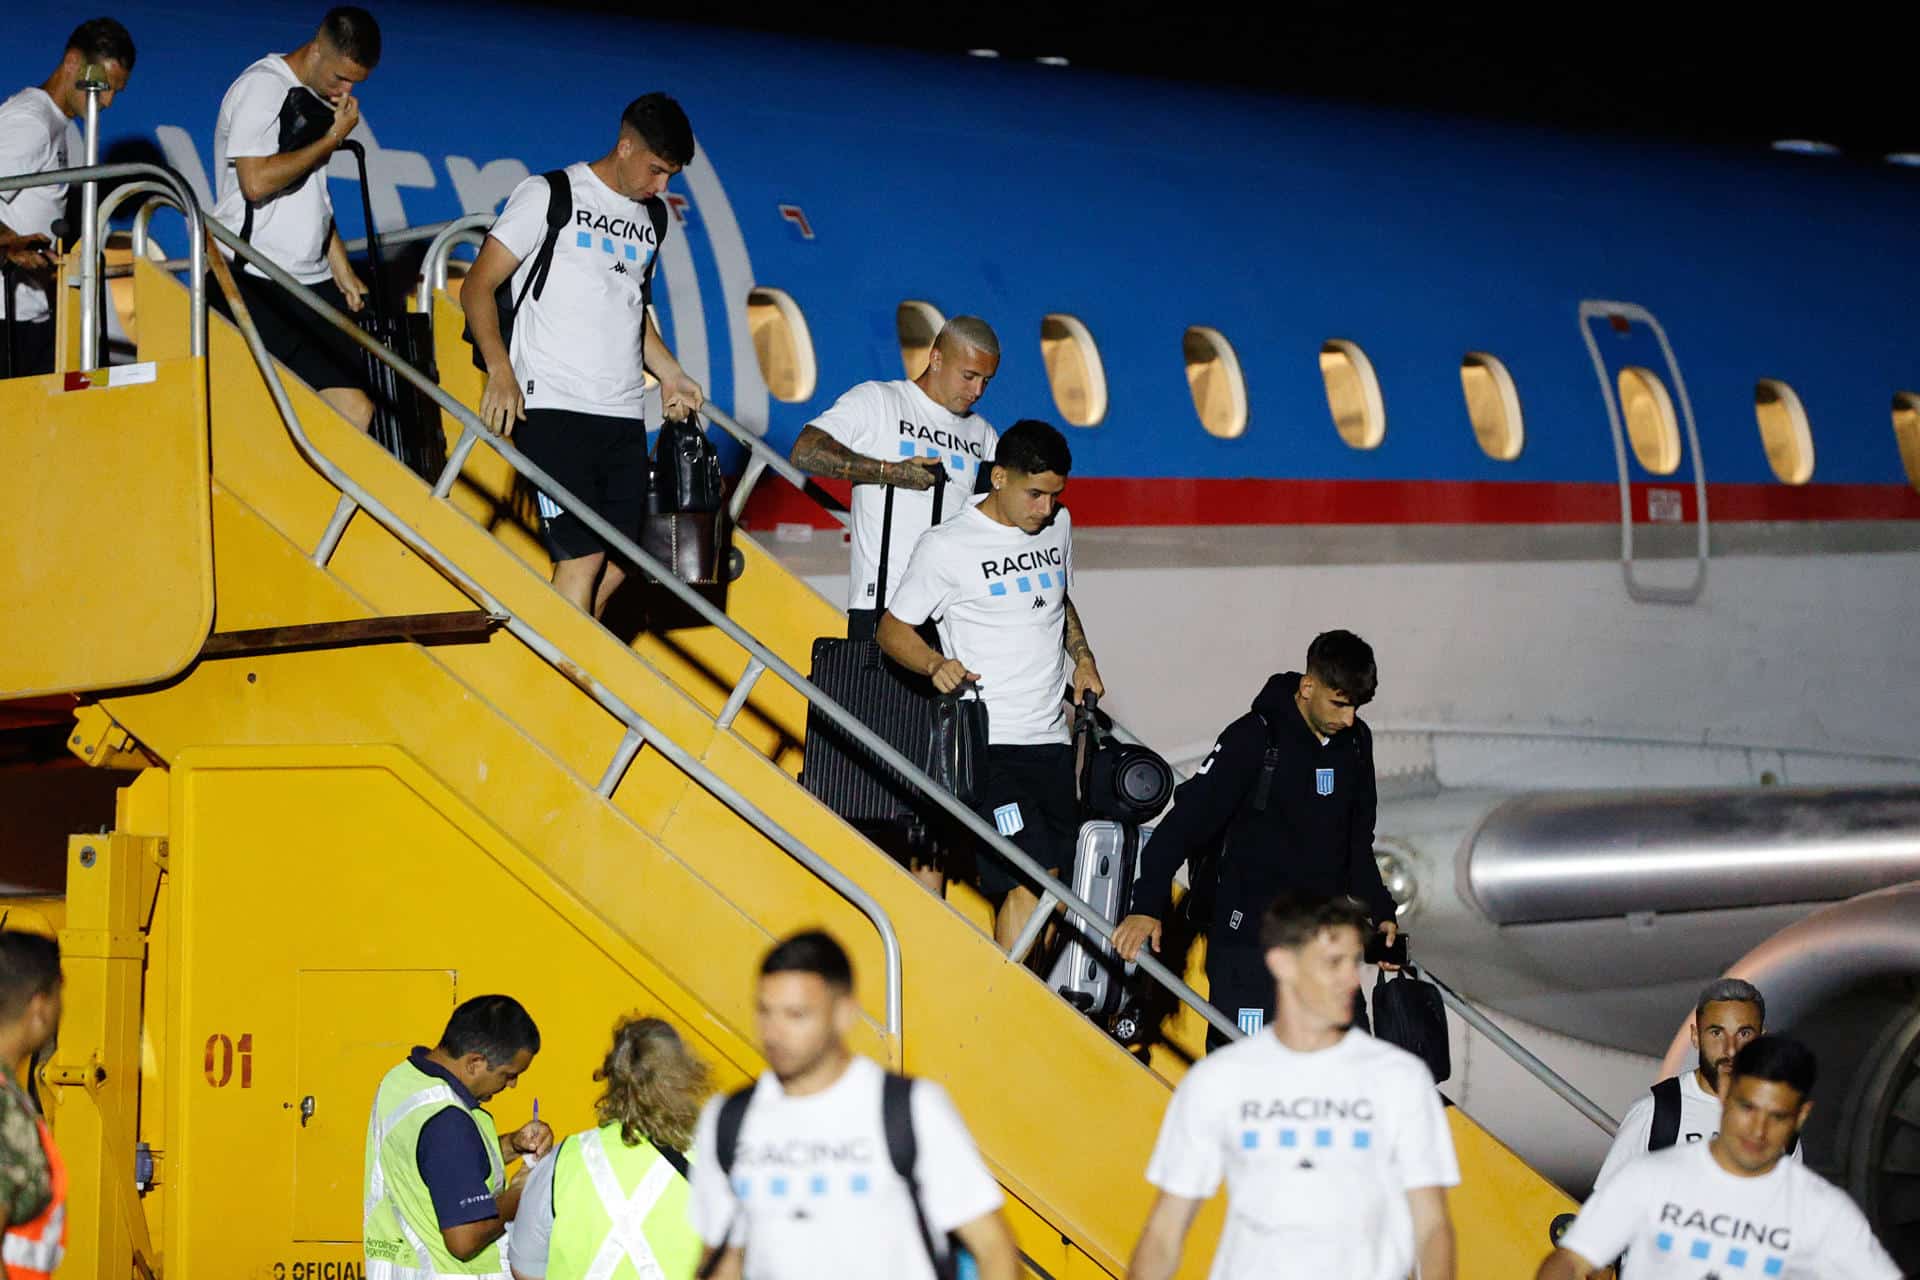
{"type": "Point", "coordinates": [382, 303]}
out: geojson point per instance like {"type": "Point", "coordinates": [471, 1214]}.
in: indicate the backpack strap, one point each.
{"type": "Point", "coordinates": [1666, 1115]}
{"type": "Point", "coordinates": [559, 214]}
{"type": "Point", "coordinates": [903, 1149]}
{"type": "Point", "coordinates": [657, 214]}
{"type": "Point", "coordinates": [1269, 765]}
{"type": "Point", "coordinates": [726, 1131]}
{"type": "Point", "coordinates": [726, 1145]}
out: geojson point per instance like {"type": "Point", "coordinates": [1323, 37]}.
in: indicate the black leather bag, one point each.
{"type": "Point", "coordinates": [686, 524]}
{"type": "Point", "coordinates": [1411, 1014]}
{"type": "Point", "coordinates": [686, 469]}
{"type": "Point", "coordinates": [957, 744]}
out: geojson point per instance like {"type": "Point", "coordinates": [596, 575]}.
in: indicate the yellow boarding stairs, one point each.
{"type": "Point", "coordinates": [404, 772]}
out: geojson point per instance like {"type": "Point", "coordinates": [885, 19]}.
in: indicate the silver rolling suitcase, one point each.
{"type": "Point", "coordinates": [1106, 861]}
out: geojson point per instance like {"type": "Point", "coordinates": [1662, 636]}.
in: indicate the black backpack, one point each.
{"type": "Point", "coordinates": [559, 214]}
{"type": "Point", "coordinates": [903, 1150]}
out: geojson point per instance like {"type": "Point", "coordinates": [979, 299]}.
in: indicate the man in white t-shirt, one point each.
{"type": "Point", "coordinates": [995, 582]}
{"type": "Point", "coordinates": [1333, 1144]}
{"type": "Point", "coordinates": [1732, 1205]}
{"type": "Point", "coordinates": [38, 135]}
{"type": "Point", "coordinates": [270, 155]}
{"type": "Point", "coordinates": [571, 389]}
{"type": "Point", "coordinates": [902, 438]}
{"type": "Point", "coordinates": [1729, 1015]}
{"type": "Point", "coordinates": [794, 1178]}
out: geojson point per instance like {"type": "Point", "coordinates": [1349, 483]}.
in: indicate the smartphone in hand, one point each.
{"type": "Point", "coordinates": [1379, 952]}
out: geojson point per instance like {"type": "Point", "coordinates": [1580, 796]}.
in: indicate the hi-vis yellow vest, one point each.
{"type": "Point", "coordinates": [402, 1232]}
{"type": "Point", "coordinates": [619, 1212]}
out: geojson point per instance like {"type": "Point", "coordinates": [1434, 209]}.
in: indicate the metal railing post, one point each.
{"type": "Point", "coordinates": [742, 690]}
{"type": "Point", "coordinates": [1035, 926]}
{"type": "Point", "coordinates": [181, 197]}
{"type": "Point", "coordinates": [470, 229]}
{"type": "Point", "coordinates": [93, 82]}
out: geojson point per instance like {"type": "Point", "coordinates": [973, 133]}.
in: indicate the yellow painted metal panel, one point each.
{"type": "Point", "coordinates": [350, 1027]}
{"type": "Point", "coordinates": [116, 588]}
{"type": "Point", "coordinates": [317, 831]}
{"type": "Point", "coordinates": [162, 306]}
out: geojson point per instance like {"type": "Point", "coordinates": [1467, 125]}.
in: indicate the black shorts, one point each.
{"type": "Point", "coordinates": [600, 460]}
{"type": "Point", "coordinates": [317, 353]}
{"type": "Point", "coordinates": [1038, 782]}
{"type": "Point", "coordinates": [31, 347]}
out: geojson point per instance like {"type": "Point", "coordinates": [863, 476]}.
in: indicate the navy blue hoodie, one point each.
{"type": "Point", "coordinates": [1315, 835]}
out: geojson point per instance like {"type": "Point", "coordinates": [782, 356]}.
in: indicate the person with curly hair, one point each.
{"type": "Point", "coordinates": [612, 1202]}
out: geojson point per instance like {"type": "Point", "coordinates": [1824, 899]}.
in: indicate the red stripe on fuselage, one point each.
{"type": "Point", "coordinates": [1141, 501]}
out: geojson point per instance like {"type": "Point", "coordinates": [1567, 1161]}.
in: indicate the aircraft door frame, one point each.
{"type": "Point", "coordinates": [1632, 313]}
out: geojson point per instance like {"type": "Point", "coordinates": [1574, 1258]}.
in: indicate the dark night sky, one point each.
{"type": "Point", "coordinates": [1840, 73]}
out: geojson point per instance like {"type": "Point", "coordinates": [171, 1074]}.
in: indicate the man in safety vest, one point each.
{"type": "Point", "coordinates": [437, 1197]}
{"type": "Point", "coordinates": [612, 1203]}
{"type": "Point", "coordinates": [33, 1181]}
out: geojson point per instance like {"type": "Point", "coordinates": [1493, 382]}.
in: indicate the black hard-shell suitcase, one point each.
{"type": "Point", "coordinates": [406, 421]}
{"type": "Point", "coordinates": [895, 703]}
{"type": "Point", "coordinates": [1106, 860]}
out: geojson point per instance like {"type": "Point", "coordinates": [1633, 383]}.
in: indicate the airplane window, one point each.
{"type": "Point", "coordinates": [782, 343]}
{"type": "Point", "coordinates": [1493, 406]}
{"type": "Point", "coordinates": [1651, 427]}
{"type": "Point", "coordinates": [1906, 429]}
{"type": "Point", "coordinates": [918, 324]}
{"type": "Point", "coordinates": [1784, 431]}
{"type": "Point", "coordinates": [1213, 375]}
{"type": "Point", "coordinates": [1078, 378]}
{"type": "Point", "coordinates": [1353, 394]}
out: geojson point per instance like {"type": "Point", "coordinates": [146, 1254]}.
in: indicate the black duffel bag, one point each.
{"type": "Point", "coordinates": [1410, 1013]}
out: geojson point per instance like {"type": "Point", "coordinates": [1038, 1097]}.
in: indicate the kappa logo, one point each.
{"type": "Point", "coordinates": [1039, 602]}
{"type": "Point", "coordinates": [619, 268]}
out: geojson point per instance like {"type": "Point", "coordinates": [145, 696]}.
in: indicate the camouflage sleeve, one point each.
{"type": "Point", "coordinates": [25, 1185]}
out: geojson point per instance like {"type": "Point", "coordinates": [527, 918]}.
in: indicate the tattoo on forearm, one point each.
{"type": "Point", "coordinates": [818, 453]}
{"type": "Point", "coordinates": [1076, 639]}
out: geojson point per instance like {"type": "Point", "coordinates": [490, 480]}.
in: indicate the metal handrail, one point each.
{"type": "Point", "coordinates": [433, 268]}
{"type": "Point", "coordinates": [1540, 1071]}
{"type": "Point", "coordinates": [472, 433]}
{"type": "Point", "coordinates": [639, 730]}
{"type": "Point", "coordinates": [175, 186]}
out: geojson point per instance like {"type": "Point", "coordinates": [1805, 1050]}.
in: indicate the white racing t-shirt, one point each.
{"type": "Point", "coordinates": [291, 225]}
{"type": "Point", "coordinates": [999, 595]}
{"type": "Point", "coordinates": [814, 1193]}
{"type": "Point", "coordinates": [1318, 1149]}
{"type": "Point", "coordinates": [35, 137]}
{"type": "Point", "coordinates": [1684, 1217]}
{"type": "Point", "coordinates": [1699, 1121]}
{"type": "Point", "coordinates": [578, 346]}
{"type": "Point", "coordinates": [892, 421]}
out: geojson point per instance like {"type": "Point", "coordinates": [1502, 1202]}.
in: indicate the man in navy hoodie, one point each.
{"type": "Point", "coordinates": [1286, 800]}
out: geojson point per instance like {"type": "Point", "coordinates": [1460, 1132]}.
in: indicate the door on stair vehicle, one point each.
{"type": "Point", "coordinates": [353, 1026]}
